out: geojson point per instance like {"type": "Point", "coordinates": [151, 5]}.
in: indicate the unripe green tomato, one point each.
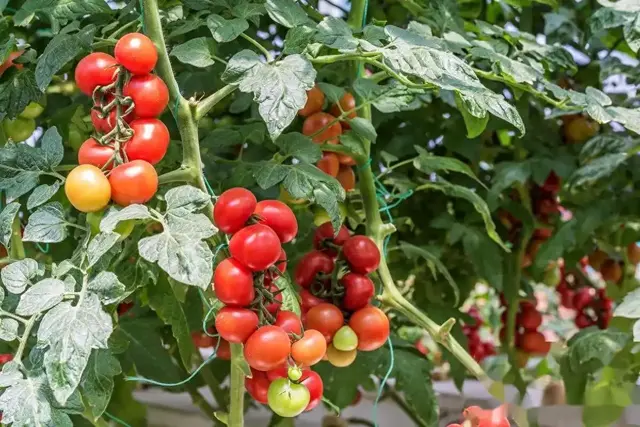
{"type": "Point", "coordinates": [345, 339]}
{"type": "Point", "coordinates": [68, 88]}
{"type": "Point", "coordinates": [286, 398]}
{"type": "Point", "coordinates": [552, 276]}
{"type": "Point", "coordinates": [294, 373]}
{"type": "Point", "coordinates": [76, 138]}
{"type": "Point", "coordinates": [124, 228]}
{"type": "Point", "coordinates": [31, 111]}
{"type": "Point", "coordinates": [18, 129]}
{"type": "Point", "coordinates": [320, 216]}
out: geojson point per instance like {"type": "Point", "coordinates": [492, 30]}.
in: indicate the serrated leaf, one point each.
{"type": "Point", "coordinates": [226, 30]}
{"type": "Point", "coordinates": [59, 10]}
{"type": "Point", "coordinates": [97, 381]}
{"type": "Point", "coordinates": [114, 215]}
{"type": "Point", "coordinates": [428, 163]}
{"type": "Point", "coordinates": [7, 216]}
{"type": "Point", "coordinates": [475, 125]}
{"type": "Point", "coordinates": [287, 13]}
{"type": "Point", "coordinates": [630, 306]}
{"type": "Point", "coordinates": [41, 297]}
{"type": "Point", "coordinates": [46, 225]}
{"type": "Point", "coordinates": [197, 52]}
{"type": "Point", "coordinates": [52, 148]}
{"type": "Point", "coordinates": [298, 39]}
{"type": "Point", "coordinates": [389, 98]}
{"type": "Point", "coordinates": [8, 329]}
{"type": "Point", "coordinates": [597, 169]}
{"type": "Point", "coordinates": [107, 287]}
{"type": "Point", "coordinates": [187, 198]}
{"type": "Point", "coordinates": [333, 93]}
{"type": "Point", "coordinates": [336, 34]}
{"type": "Point", "coordinates": [17, 92]}
{"type": "Point", "coordinates": [363, 128]}
{"type": "Point", "coordinates": [100, 245]}
{"type": "Point", "coordinates": [16, 276]}
{"type": "Point", "coordinates": [518, 71]}
{"type": "Point", "coordinates": [412, 251]}
{"type": "Point", "coordinates": [592, 349]}
{"type": "Point", "coordinates": [477, 103]}
{"type": "Point", "coordinates": [296, 145]}
{"type": "Point", "coordinates": [247, 10]}
{"type": "Point", "coordinates": [353, 142]}
{"type": "Point", "coordinates": [41, 194]}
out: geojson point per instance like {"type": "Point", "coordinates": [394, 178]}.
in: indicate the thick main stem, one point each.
{"type": "Point", "coordinates": [236, 410]}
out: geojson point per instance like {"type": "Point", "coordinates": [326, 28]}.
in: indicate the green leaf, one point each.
{"type": "Point", "coordinates": [114, 215]}
{"type": "Point", "coordinates": [100, 245]}
{"type": "Point", "coordinates": [296, 145]}
{"type": "Point", "coordinates": [597, 169]}
{"type": "Point", "coordinates": [287, 13]}
{"type": "Point", "coordinates": [298, 39]}
{"type": "Point", "coordinates": [71, 333]}
{"type": "Point", "coordinates": [7, 216]}
{"type": "Point", "coordinates": [226, 30]}
{"type": "Point", "coordinates": [363, 128]}
{"type": "Point", "coordinates": [336, 34]}
{"type": "Point", "coordinates": [280, 88]}
{"type": "Point", "coordinates": [62, 49]}
{"type": "Point", "coordinates": [434, 263]}
{"type": "Point", "coordinates": [517, 71]}
{"type": "Point", "coordinates": [477, 103]}
{"type": "Point", "coordinates": [630, 306]}
{"type": "Point", "coordinates": [289, 296]}
{"type": "Point", "coordinates": [353, 142]}
{"type": "Point", "coordinates": [333, 93]}
{"type": "Point", "coordinates": [485, 255]}
{"type": "Point", "coordinates": [17, 275]}
{"type": "Point", "coordinates": [107, 287]}
{"type": "Point", "coordinates": [508, 174]}
{"type": "Point", "coordinates": [428, 163]}
{"type": "Point", "coordinates": [246, 10]}
{"type": "Point", "coordinates": [97, 381]}
{"type": "Point", "coordinates": [46, 225]}
{"type": "Point", "coordinates": [8, 329]}
{"type": "Point", "coordinates": [475, 125]}
{"type": "Point", "coordinates": [390, 98]}
{"type": "Point", "coordinates": [591, 349]}
{"type": "Point", "coordinates": [17, 92]}
{"type": "Point", "coordinates": [186, 198]}
{"type": "Point", "coordinates": [59, 10]}
{"type": "Point", "coordinates": [41, 297]}
{"type": "Point", "coordinates": [197, 52]}
{"type": "Point", "coordinates": [41, 194]}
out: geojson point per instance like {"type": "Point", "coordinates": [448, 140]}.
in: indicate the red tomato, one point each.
{"type": "Point", "coordinates": [202, 340]}
{"type": "Point", "coordinates": [325, 234]}
{"type": "Point", "coordinates": [124, 307]}
{"type": "Point", "coordinates": [133, 182]}
{"type": "Point", "coordinates": [93, 153]}
{"type": "Point", "coordinates": [310, 349]}
{"type": "Point", "coordinates": [318, 121]}
{"type": "Point", "coordinates": [267, 348]}
{"type": "Point", "coordinates": [358, 291]}
{"type": "Point", "coordinates": [371, 326]}
{"type": "Point", "coordinates": [9, 63]}
{"type": "Point", "coordinates": [149, 142]}
{"type": "Point", "coordinates": [329, 164]}
{"type": "Point", "coordinates": [233, 283]}
{"type": "Point", "coordinates": [106, 124]}
{"type": "Point", "coordinates": [310, 265]}
{"type": "Point", "coordinates": [325, 318]}
{"type": "Point", "coordinates": [534, 342]}
{"type": "Point", "coordinates": [348, 103]}
{"type": "Point", "coordinates": [313, 382]}
{"type": "Point", "coordinates": [258, 386]}
{"type": "Point", "coordinates": [281, 264]}
{"type": "Point", "coordinates": [256, 246]}
{"type": "Point", "coordinates": [236, 324]}
{"type": "Point", "coordinates": [315, 102]}
{"type": "Point", "coordinates": [279, 217]}
{"type": "Point", "coordinates": [346, 160]}
{"type": "Point", "coordinates": [224, 349]}
{"type": "Point", "coordinates": [277, 295]}
{"type": "Point", "coordinates": [362, 254]}
{"type": "Point", "coordinates": [149, 93]}
{"type": "Point", "coordinates": [95, 69]}
{"type": "Point", "coordinates": [137, 53]}
{"type": "Point", "coordinates": [289, 322]}
{"type": "Point", "coordinates": [308, 300]}
{"type": "Point", "coordinates": [529, 319]}
{"type": "Point", "coordinates": [233, 209]}
{"type": "Point", "coordinates": [346, 177]}
{"type": "Point", "coordinates": [5, 358]}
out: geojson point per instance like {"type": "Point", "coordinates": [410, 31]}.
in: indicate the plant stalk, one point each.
{"type": "Point", "coordinates": [236, 407]}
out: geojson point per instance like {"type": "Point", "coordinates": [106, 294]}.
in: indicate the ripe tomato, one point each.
{"type": "Point", "coordinates": [87, 188]}
{"type": "Point", "coordinates": [329, 164]}
{"type": "Point", "coordinates": [9, 62]}
{"type": "Point", "coordinates": [202, 340]}
{"type": "Point", "coordinates": [256, 246]}
{"type": "Point", "coordinates": [149, 93]}
{"type": "Point", "coordinates": [583, 321]}
{"type": "Point", "coordinates": [5, 358]}
{"type": "Point", "coordinates": [310, 349]}
{"type": "Point", "coordinates": [597, 258]}
{"type": "Point", "coordinates": [552, 183]}
{"type": "Point", "coordinates": [633, 253]}
{"type": "Point", "coordinates": [258, 386]}
{"type": "Point", "coordinates": [318, 121]}
{"type": "Point", "coordinates": [362, 254]}
{"type": "Point", "coordinates": [281, 264]}
{"type": "Point", "coordinates": [308, 300]}
{"type": "Point", "coordinates": [345, 339]}
{"type": "Point", "coordinates": [371, 326]}
{"type": "Point", "coordinates": [95, 69]}
{"type": "Point", "coordinates": [582, 298]}
{"type": "Point", "coordinates": [346, 177]}
{"type": "Point", "coordinates": [267, 348]}
{"type": "Point", "coordinates": [18, 129]}
{"type": "Point", "coordinates": [530, 320]}
{"type": "Point", "coordinates": [279, 217]}
{"type": "Point", "coordinates": [133, 182]}
{"type": "Point", "coordinates": [346, 160]}
{"type": "Point", "coordinates": [358, 291]}
{"type": "Point", "coordinates": [233, 209]}
{"type": "Point", "coordinates": [325, 318]}
{"type": "Point", "coordinates": [224, 349]}
{"type": "Point", "coordinates": [149, 142]}
{"type": "Point", "coordinates": [236, 324]}
{"type": "Point", "coordinates": [348, 103]}
{"type": "Point", "coordinates": [275, 305]}
{"type": "Point", "coordinates": [233, 283]}
{"type": "Point", "coordinates": [310, 265]}
{"type": "Point", "coordinates": [315, 102]}
{"type": "Point", "coordinates": [340, 359]}
{"type": "Point", "coordinates": [611, 271]}
{"type": "Point", "coordinates": [93, 153]}
{"type": "Point", "coordinates": [106, 124]}
{"type": "Point", "coordinates": [325, 234]}
{"type": "Point", "coordinates": [137, 53]}
{"type": "Point", "coordinates": [288, 399]}
{"type": "Point", "coordinates": [533, 342]}
{"type": "Point", "coordinates": [289, 322]}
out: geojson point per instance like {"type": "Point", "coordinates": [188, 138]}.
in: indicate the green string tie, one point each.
{"type": "Point", "coordinates": [116, 419]}
{"type": "Point", "coordinates": [383, 383]}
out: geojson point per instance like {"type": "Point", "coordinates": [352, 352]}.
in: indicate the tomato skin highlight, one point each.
{"type": "Point", "coordinates": [362, 254]}
{"type": "Point", "coordinates": [358, 291]}
{"type": "Point", "coordinates": [137, 53]}
{"type": "Point", "coordinates": [87, 188]}
{"type": "Point", "coordinates": [371, 326]}
{"type": "Point", "coordinates": [149, 142]}
{"type": "Point", "coordinates": [236, 324]}
{"type": "Point", "coordinates": [149, 93]}
{"type": "Point", "coordinates": [93, 153]}
{"type": "Point", "coordinates": [329, 164]}
{"type": "Point", "coordinates": [347, 178]}
{"type": "Point", "coordinates": [317, 121]}
{"type": "Point", "coordinates": [258, 386]}
{"type": "Point", "coordinates": [310, 349]}
{"type": "Point", "coordinates": [288, 399]}
{"type": "Point", "coordinates": [325, 318]}
{"type": "Point", "coordinates": [233, 283]}
{"type": "Point", "coordinates": [314, 104]}
{"type": "Point", "coordinates": [95, 69]}
{"type": "Point", "coordinates": [267, 348]}
{"type": "Point", "coordinates": [256, 246]}
{"type": "Point", "coordinates": [289, 322]}
{"type": "Point", "coordinates": [133, 182]}
{"type": "Point", "coordinates": [233, 209]}
{"type": "Point", "coordinates": [279, 217]}
{"type": "Point", "coordinates": [310, 265]}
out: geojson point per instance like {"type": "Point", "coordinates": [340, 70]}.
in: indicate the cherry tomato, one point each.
{"type": "Point", "coordinates": [32, 111]}
{"type": "Point", "coordinates": [87, 188]}
{"type": "Point", "coordinates": [133, 182]}
{"type": "Point", "coordinates": [345, 339]}
{"type": "Point", "coordinates": [137, 53]}
{"type": "Point", "coordinates": [256, 246]}
{"type": "Point", "coordinates": [288, 399]}
{"type": "Point", "coordinates": [611, 271]}
{"type": "Point", "coordinates": [530, 320]}
{"type": "Point", "coordinates": [107, 123]}
{"type": "Point", "coordinates": [236, 324]}
{"type": "Point", "coordinates": [347, 103]}
{"type": "Point", "coordinates": [224, 349]}
{"type": "Point", "coordinates": [149, 93]}
{"type": "Point", "coordinates": [5, 358]}
{"type": "Point", "coordinates": [95, 69]}
{"type": "Point", "coordinates": [202, 340]}
{"type": "Point", "coordinates": [552, 183]}
{"type": "Point", "coordinates": [279, 217]}
{"type": "Point", "coordinates": [362, 254]}
{"type": "Point", "coordinates": [289, 322]}
{"type": "Point", "coordinates": [329, 164]}
{"type": "Point", "coordinates": [233, 209]}
{"type": "Point", "coordinates": [281, 264]}
{"type": "Point", "coordinates": [358, 291]}
{"type": "Point", "coordinates": [633, 253]}
{"type": "Point", "coordinates": [597, 258]}
{"type": "Point", "coordinates": [340, 359]}
{"type": "Point", "coordinates": [18, 129]}
{"type": "Point", "coordinates": [274, 307]}
{"type": "Point", "coordinates": [346, 160]}
{"type": "Point", "coordinates": [149, 142]}
{"type": "Point", "coordinates": [310, 265]}
{"type": "Point", "coordinates": [267, 348]}
{"type": "Point", "coordinates": [582, 298]}
{"type": "Point", "coordinates": [325, 234]}
{"type": "Point", "coordinates": [533, 342]}
{"type": "Point", "coordinates": [318, 121]}
{"type": "Point", "coordinates": [583, 321]}
{"type": "Point", "coordinates": [93, 153]}
{"type": "Point", "coordinates": [580, 130]}
{"type": "Point", "coordinates": [233, 283]}
{"type": "Point", "coordinates": [313, 382]}
{"type": "Point", "coordinates": [371, 326]}
{"type": "Point", "coordinates": [308, 300]}
{"type": "Point", "coordinates": [9, 62]}
{"type": "Point", "coordinates": [310, 349]}
{"type": "Point", "coordinates": [258, 386]}
{"type": "Point", "coordinates": [325, 318]}
{"type": "Point", "coordinates": [315, 102]}
{"type": "Point", "coordinates": [346, 177]}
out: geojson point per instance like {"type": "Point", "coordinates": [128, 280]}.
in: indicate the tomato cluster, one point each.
{"type": "Point", "coordinates": [325, 128]}
{"type": "Point", "coordinates": [337, 292]}
{"type": "Point", "coordinates": [475, 416]}
{"type": "Point", "coordinates": [477, 348]}
{"type": "Point", "coordinates": [118, 165]}
{"type": "Point", "coordinates": [528, 339]}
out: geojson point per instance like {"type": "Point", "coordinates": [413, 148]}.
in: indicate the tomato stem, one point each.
{"type": "Point", "coordinates": [236, 409]}
{"type": "Point", "coordinates": [210, 101]}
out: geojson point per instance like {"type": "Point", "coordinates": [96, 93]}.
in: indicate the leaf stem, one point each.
{"type": "Point", "coordinates": [17, 247]}
{"type": "Point", "coordinates": [25, 337]}
{"type": "Point", "coordinates": [210, 101]}
{"type": "Point", "coordinates": [13, 316]}
{"type": "Point", "coordinates": [236, 407]}
{"type": "Point", "coordinates": [261, 48]}
{"type": "Point", "coordinates": [181, 174]}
